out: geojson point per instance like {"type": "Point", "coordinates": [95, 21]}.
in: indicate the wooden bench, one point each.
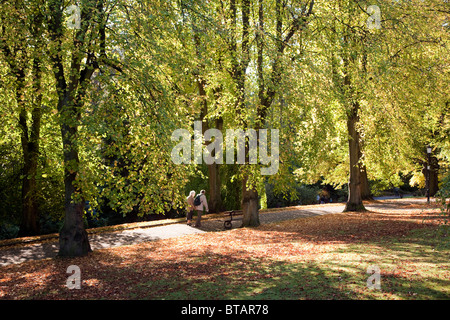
{"type": "Point", "coordinates": [232, 214]}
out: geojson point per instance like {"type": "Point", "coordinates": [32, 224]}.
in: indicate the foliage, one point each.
{"type": "Point", "coordinates": [403, 62]}
{"type": "Point", "coordinates": [8, 231]}
{"type": "Point", "coordinates": [303, 195]}
{"type": "Point", "coordinates": [231, 188]}
{"type": "Point", "coordinates": [10, 187]}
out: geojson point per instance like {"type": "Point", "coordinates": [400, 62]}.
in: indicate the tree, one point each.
{"type": "Point", "coordinates": [71, 80]}
{"type": "Point", "coordinates": [366, 67]}
{"type": "Point", "coordinates": [408, 88]}
{"type": "Point", "coordinates": [200, 45]}
{"type": "Point", "coordinates": [21, 45]}
{"type": "Point", "coordinates": [276, 41]}
{"type": "Point", "coordinates": [348, 59]}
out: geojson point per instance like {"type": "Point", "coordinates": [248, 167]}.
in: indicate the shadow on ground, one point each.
{"type": "Point", "coordinates": [201, 273]}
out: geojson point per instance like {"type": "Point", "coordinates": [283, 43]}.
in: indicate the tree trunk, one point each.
{"type": "Point", "coordinates": [215, 198]}
{"type": "Point", "coordinates": [249, 204]}
{"type": "Point", "coordinates": [250, 210]}
{"type": "Point", "coordinates": [73, 238]}
{"type": "Point", "coordinates": [365, 188]}
{"type": "Point", "coordinates": [215, 201]}
{"type": "Point", "coordinates": [30, 212]}
{"type": "Point", "coordinates": [250, 201]}
{"type": "Point", "coordinates": [354, 202]}
{"type": "Point", "coordinates": [27, 40]}
{"type": "Point", "coordinates": [433, 178]}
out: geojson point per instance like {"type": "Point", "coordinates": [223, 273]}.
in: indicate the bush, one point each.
{"type": "Point", "coordinates": [49, 224]}
{"type": "Point", "coordinates": [8, 231]}
{"type": "Point", "coordinates": [303, 195]}
{"type": "Point", "coordinates": [231, 189]}
{"type": "Point", "coordinates": [10, 186]}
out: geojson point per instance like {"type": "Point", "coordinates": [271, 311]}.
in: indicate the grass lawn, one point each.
{"type": "Point", "coordinates": [324, 257]}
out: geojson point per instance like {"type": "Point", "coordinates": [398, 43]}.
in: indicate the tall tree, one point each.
{"type": "Point", "coordinates": [348, 60]}
{"type": "Point", "coordinates": [200, 44]}
{"type": "Point", "coordinates": [276, 40]}
{"type": "Point", "coordinates": [71, 80]}
{"type": "Point", "coordinates": [21, 43]}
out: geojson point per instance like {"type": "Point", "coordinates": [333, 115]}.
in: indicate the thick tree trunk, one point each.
{"type": "Point", "coordinates": [250, 199]}
{"type": "Point", "coordinates": [365, 188]}
{"type": "Point", "coordinates": [73, 238]}
{"type": "Point", "coordinates": [249, 206]}
{"type": "Point", "coordinates": [29, 43]}
{"type": "Point", "coordinates": [215, 198]}
{"type": "Point", "coordinates": [250, 195]}
{"type": "Point", "coordinates": [433, 178]}
{"type": "Point", "coordinates": [354, 202]}
{"type": "Point", "coordinates": [215, 201]}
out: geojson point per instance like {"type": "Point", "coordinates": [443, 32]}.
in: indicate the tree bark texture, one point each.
{"type": "Point", "coordinates": [354, 201]}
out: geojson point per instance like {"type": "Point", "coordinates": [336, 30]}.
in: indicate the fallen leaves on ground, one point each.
{"type": "Point", "coordinates": [292, 259]}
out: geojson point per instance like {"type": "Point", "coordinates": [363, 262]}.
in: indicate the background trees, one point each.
{"type": "Point", "coordinates": [367, 65]}
{"type": "Point", "coordinates": [21, 46]}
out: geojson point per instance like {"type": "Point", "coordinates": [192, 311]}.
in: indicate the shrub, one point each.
{"type": "Point", "coordinates": [303, 195]}
{"type": "Point", "coordinates": [8, 231]}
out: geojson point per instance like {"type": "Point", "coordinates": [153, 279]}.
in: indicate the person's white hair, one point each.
{"type": "Point", "coordinates": [192, 193]}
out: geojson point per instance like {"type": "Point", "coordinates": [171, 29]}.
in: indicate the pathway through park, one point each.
{"type": "Point", "coordinates": [48, 249]}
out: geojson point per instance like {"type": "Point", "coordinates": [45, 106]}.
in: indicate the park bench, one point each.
{"type": "Point", "coordinates": [232, 214]}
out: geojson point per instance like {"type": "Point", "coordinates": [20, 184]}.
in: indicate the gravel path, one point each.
{"type": "Point", "coordinates": [49, 248]}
